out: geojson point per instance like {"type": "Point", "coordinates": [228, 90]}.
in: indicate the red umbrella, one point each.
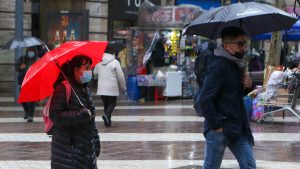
{"type": "Point", "coordinates": [40, 77]}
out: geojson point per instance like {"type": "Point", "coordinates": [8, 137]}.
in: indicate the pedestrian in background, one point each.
{"type": "Point", "coordinates": [22, 67]}
{"type": "Point", "coordinates": [221, 99]}
{"type": "Point", "coordinates": [110, 80]}
{"type": "Point", "coordinates": [201, 60]}
{"type": "Point", "coordinates": [75, 141]}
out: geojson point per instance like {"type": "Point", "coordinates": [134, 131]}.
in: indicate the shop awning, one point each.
{"type": "Point", "coordinates": [293, 34]}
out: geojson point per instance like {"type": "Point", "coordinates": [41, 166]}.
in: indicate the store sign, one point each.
{"type": "Point", "coordinates": [127, 9]}
{"type": "Point", "coordinates": [204, 4]}
{"type": "Point", "coordinates": [184, 15]}
{"type": "Point", "coordinates": [167, 16]}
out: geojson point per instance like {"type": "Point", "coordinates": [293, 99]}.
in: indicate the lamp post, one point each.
{"type": "Point", "coordinates": [18, 34]}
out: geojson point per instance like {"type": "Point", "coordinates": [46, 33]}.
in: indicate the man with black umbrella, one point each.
{"type": "Point", "coordinates": [226, 121]}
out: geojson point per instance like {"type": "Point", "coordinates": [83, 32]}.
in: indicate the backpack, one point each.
{"type": "Point", "coordinates": [201, 65]}
{"type": "Point", "coordinates": [47, 121]}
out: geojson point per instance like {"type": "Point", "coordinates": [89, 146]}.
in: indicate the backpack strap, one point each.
{"type": "Point", "coordinates": [68, 90]}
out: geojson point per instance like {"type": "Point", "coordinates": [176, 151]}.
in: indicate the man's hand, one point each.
{"type": "Point", "coordinates": [247, 80]}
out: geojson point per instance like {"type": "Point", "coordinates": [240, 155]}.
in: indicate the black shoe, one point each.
{"type": "Point", "coordinates": [109, 120]}
{"type": "Point", "coordinates": [25, 116]}
{"type": "Point", "coordinates": [105, 119]}
{"type": "Point", "coordinates": [30, 119]}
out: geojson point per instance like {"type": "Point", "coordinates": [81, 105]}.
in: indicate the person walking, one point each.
{"type": "Point", "coordinates": [221, 99]}
{"type": "Point", "coordinates": [75, 140]}
{"type": "Point", "coordinates": [22, 67]}
{"type": "Point", "coordinates": [110, 81]}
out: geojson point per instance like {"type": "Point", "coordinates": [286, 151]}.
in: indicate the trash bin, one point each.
{"type": "Point", "coordinates": [133, 91]}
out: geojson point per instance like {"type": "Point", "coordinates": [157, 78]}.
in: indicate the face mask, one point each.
{"type": "Point", "coordinates": [31, 54]}
{"type": "Point", "coordinates": [239, 55]}
{"type": "Point", "coordinates": [86, 76]}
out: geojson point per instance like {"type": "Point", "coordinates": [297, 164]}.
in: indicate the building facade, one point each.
{"type": "Point", "coordinates": [49, 19]}
{"type": "Point", "coordinates": [94, 20]}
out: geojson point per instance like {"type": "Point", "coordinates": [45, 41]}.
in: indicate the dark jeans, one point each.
{"type": "Point", "coordinates": [215, 145]}
{"type": "Point", "coordinates": [109, 104]}
{"type": "Point", "coordinates": [29, 108]}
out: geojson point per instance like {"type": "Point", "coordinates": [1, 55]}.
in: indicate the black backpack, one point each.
{"type": "Point", "coordinates": [200, 65]}
{"type": "Point", "coordinates": [200, 70]}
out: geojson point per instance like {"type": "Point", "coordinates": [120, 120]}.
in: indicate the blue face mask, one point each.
{"type": "Point", "coordinates": [31, 54]}
{"type": "Point", "coordinates": [86, 76]}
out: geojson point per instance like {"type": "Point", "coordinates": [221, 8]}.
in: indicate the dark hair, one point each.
{"type": "Point", "coordinates": [109, 50]}
{"type": "Point", "coordinates": [231, 33]}
{"type": "Point", "coordinates": [69, 67]}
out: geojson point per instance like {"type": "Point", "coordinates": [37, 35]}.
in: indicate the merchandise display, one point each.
{"type": "Point", "coordinates": [155, 45]}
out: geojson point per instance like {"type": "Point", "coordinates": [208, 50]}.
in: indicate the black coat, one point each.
{"type": "Point", "coordinates": [158, 54]}
{"type": "Point", "coordinates": [221, 99]}
{"type": "Point", "coordinates": [75, 141]}
{"type": "Point", "coordinates": [22, 72]}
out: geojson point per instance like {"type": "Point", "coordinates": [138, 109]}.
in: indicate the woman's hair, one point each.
{"type": "Point", "coordinates": [69, 67]}
{"type": "Point", "coordinates": [110, 50]}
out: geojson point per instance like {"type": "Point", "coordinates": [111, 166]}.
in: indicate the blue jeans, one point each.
{"type": "Point", "coordinates": [215, 145]}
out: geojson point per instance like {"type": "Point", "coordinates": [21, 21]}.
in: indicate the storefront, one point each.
{"type": "Point", "coordinates": [156, 46]}
{"type": "Point", "coordinates": [290, 42]}
{"type": "Point", "coordinates": [63, 21]}
{"type": "Point", "coordinates": [123, 14]}
{"type": "Point", "coordinates": [66, 26]}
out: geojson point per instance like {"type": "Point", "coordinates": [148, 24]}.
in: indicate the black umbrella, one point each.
{"type": "Point", "coordinates": [116, 46]}
{"type": "Point", "coordinates": [23, 42]}
{"type": "Point", "coordinates": [253, 17]}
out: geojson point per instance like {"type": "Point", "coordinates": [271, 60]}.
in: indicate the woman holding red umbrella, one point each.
{"type": "Point", "coordinates": [75, 140]}
{"type": "Point", "coordinates": [63, 74]}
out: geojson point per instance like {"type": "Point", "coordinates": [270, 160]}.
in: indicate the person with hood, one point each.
{"type": "Point", "coordinates": [75, 140]}
{"type": "Point", "coordinates": [226, 121]}
{"type": "Point", "coordinates": [22, 67]}
{"type": "Point", "coordinates": [110, 80]}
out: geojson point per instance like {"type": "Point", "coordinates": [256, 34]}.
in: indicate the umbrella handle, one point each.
{"type": "Point", "coordinates": [46, 47]}
{"type": "Point", "coordinates": [69, 83]}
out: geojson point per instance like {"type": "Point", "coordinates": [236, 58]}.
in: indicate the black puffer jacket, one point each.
{"type": "Point", "coordinates": [75, 140]}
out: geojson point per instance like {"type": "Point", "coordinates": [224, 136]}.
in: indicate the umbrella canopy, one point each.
{"type": "Point", "coordinates": [252, 17]}
{"type": "Point", "coordinates": [116, 46]}
{"type": "Point", "coordinates": [40, 77]}
{"type": "Point", "coordinates": [23, 42]}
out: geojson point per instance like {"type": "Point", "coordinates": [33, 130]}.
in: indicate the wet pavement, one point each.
{"type": "Point", "coordinates": [166, 135]}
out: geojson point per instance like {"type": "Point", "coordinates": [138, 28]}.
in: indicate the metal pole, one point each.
{"type": "Point", "coordinates": [18, 34]}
